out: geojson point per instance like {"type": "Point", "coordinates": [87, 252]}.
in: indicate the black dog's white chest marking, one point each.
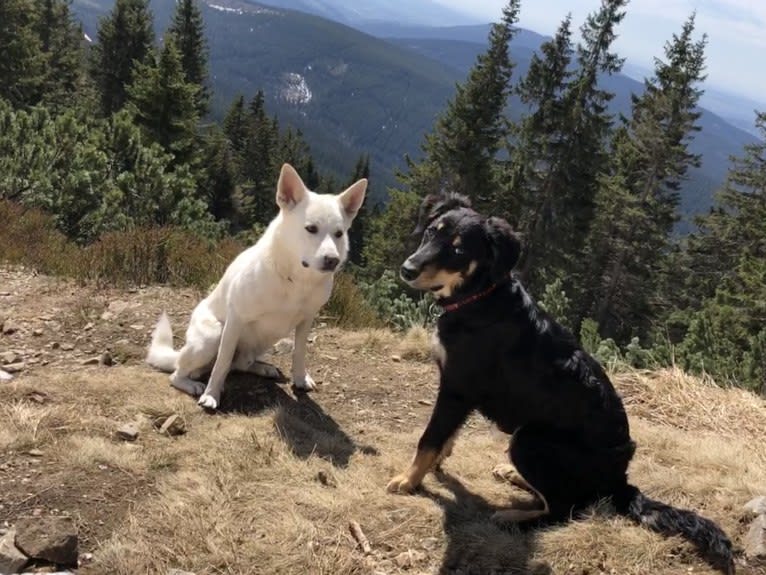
{"type": "Point", "coordinates": [438, 352]}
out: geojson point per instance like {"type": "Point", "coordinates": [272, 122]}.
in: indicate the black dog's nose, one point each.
{"type": "Point", "coordinates": [408, 272]}
{"type": "Point", "coordinates": [330, 263]}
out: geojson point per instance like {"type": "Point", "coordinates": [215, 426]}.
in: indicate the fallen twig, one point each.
{"type": "Point", "coordinates": [361, 538]}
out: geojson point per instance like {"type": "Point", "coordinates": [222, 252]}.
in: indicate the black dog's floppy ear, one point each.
{"type": "Point", "coordinates": [434, 205]}
{"type": "Point", "coordinates": [505, 246]}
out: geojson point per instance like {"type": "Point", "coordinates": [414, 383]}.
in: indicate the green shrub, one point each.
{"type": "Point", "coordinates": [395, 307]}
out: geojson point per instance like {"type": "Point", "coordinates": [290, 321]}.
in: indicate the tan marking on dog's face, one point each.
{"type": "Point", "coordinates": [471, 268]}
{"type": "Point", "coordinates": [432, 277]}
{"type": "Point", "coordinates": [440, 226]}
{"type": "Point", "coordinates": [457, 241]}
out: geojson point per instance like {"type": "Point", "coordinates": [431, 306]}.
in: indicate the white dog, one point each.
{"type": "Point", "coordinates": [272, 287]}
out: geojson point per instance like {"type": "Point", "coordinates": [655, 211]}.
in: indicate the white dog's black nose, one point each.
{"type": "Point", "coordinates": [330, 263]}
{"type": "Point", "coordinates": [408, 271]}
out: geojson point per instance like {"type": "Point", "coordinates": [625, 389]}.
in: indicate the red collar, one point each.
{"type": "Point", "coordinates": [471, 298]}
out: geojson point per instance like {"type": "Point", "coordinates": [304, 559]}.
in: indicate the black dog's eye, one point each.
{"type": "Point", "coordinates": [312, 229]}
{"type": "Point", "coordinates": [458, 251]}
{"type": "Point", "coordinates": [339, 234]}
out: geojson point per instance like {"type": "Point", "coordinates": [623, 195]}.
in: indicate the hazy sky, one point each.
{"type": "Point", "coordinates": [736, 29]}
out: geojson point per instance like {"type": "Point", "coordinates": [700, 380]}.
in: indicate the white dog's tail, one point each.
{"type": "Point", "coordinates": [161, 353]}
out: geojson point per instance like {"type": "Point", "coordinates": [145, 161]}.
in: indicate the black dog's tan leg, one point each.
{"type": "Point", "coordinates": [408, 481]}
{"type": "Point", "coordinates": [449, 414]}
{"type": "Point", "coordinates": [446, 450]}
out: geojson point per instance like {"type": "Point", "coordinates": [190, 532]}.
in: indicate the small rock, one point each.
{"type": "Point", "coordinates": [35, 453]}
{"type": "Point", "coordinates": [179, 572]}
{"type": "Point", "coordinates": [11, 559]}
{"type": "Point", "coordinates": [85, 558]}
{"type": "Point", "coordinates": [756, 506]}
{"type": "Point", "coordinates": [5, 376]}
{"type": "Point", "coordinates": [9, 357]}
{"type": "Point", "coordinates": [37, 332]}
{"type": "Point", "coordinates": [67, 346]}
{"type": "Point", "coordinates": [91, 361]}
{"type": "Point", "coordinates": [52, 539]}
{"type": "Point", "coordinates": [755, 540]}
{"type": "Point", "coordinates": [128, 432]}
{"type": "Point", "coordinates": [88, 326]}
{"type": "Point", "coordinates": [396, 358]}
{"type": "Point", "coordinates": [106, 359]}
{"type": "Point", "coordinates": [15, 367]}
{"type": "Point", "coordinates": [325, 479]}
{"type": "Point", "coordinates": [55, 345]}
{"type": "Point", "coordinates": [137, 326]}
{"type": "Point", "coordinates": [425, 402]}
{"type": "Point", "coordinates": [9, 327]}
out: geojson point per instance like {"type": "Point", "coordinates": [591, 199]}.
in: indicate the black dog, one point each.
{"type": "Point", "coordinates": [500, 354]}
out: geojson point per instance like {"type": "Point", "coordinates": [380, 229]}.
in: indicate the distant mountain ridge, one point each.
{"type": "Point", "coordinates": [377, 88]}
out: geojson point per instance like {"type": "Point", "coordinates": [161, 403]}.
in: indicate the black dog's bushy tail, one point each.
{"type": "Point", "coordinates": [709, 539]}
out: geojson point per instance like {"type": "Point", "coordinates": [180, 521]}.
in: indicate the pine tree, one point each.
{"type": "Point", "coordinates": [220, 177]}
{"type": "Point", "coordinates": [188, 28]}
{"type": "Point", "coordinates": [259, 163]}
{"type": "Point", "coordinates": [541, 137]}
{"type": "Point", "coordinates": [726, 335]}
{"type": "Point", "coordinates": [163, 103]}
{"type": "Point", "coordinates": [125, 39]}
{"type": "Point", "coordinates": [558, 214]}
{"type": "Point", "coordinates": [357, 234]}
{"type": "Point", "coordinates": [461, 152]}
{"type": "Point", "coordinates": [459, 155]}
{"type": "Point", "coordinates": [235, 125]}
{"type": "Point", "coordinates": [638, 196]}
{"type": "Point", "coordinates": [22, 62]}
{"type": "Point", "coordinates": [62, 44]}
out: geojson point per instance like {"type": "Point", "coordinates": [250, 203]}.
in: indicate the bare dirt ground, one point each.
{"type": "Point", "coordinates": [270, 484]}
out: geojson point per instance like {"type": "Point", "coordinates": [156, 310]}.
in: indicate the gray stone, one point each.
{"type": "Point", "coordinates": [11, 559]}
{"type": "Point", "coordinates": [128, 432]}
{"type": "Point", "coordinates": [9, 357]}
{"type": "Point", "coordinates": [9, 327]}
{"type": "Point", "coordinates": [756, 506]}
{"type": "Point", "coordinates": [52, 539]}
{"type": "Point", "coordinates": [5, 376]}
{"type": "Point", "coordinates": [15, 367]}
{"type": "Point", "coordinates": [755, 540]}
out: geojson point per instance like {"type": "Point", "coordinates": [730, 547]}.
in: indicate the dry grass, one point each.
{"type": "Point", "coordinates": [416, 344]}
{"type": "Point", "coordinates": [243, 493]}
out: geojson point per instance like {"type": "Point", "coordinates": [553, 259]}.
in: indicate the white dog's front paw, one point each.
{"type": "Point", "coordinates": [208, 401]}
{"type": "Point", "coordinates": [306, 382]}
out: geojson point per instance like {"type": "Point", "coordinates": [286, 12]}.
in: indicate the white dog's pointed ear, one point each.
{"type": "Point", "coordinates": [352, 198]}
{"type": "Point", "coordinates": [290, 188]}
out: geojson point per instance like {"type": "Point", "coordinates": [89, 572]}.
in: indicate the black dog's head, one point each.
{"type": "Point", "coordinates": [459, 245]}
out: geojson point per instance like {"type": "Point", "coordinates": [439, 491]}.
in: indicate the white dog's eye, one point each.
{"type": "Point", "coordinates": [339, 234]}
{"type": "Point", "coordinates": [312, 229]}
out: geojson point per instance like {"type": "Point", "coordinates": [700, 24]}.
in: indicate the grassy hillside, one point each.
{"type": "Point", "coordinates": [270, 484]}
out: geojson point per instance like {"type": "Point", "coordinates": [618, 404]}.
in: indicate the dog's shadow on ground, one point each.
{"type": "Point", "coordinates": [302, 423]}
{"type": "Point", "coordinates": [476, 546]}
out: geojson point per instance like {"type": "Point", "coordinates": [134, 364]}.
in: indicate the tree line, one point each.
{"type": "Point", "coordinates": [114, 136]}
